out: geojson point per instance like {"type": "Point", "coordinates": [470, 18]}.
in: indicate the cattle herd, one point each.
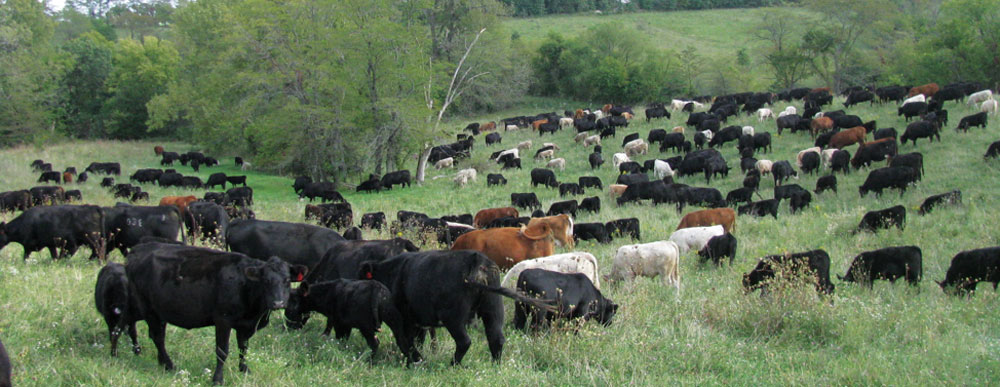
{"type": "Point", "coordinates": [496, 252]}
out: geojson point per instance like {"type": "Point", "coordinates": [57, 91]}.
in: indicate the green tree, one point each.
{"type": "Point", "coordinates": [83, 90]}
{"type": "Point", "coordinates": [141, 71]}
{"type": "Point", "coordinates": [833, 41]}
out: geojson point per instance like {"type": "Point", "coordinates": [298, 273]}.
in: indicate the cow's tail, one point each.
{"type": "Point", "coordinates": [180, 217]}
{"type": "Point", "coordinates": [547, 305]}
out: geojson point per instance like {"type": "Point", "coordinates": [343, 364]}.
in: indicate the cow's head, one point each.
{"type": "Point", "coordinates": [273, 279]}
{"type": "Point", "coordinates": [604, 311]}
{"type": "Point", "coordinates": [297, 310]}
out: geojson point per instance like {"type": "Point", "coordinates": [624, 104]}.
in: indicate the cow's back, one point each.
{"type": "Point", "coordinates": [296, 243]}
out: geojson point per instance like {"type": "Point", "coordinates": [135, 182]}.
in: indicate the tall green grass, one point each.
{"type": "Point", "coordinates": [711, 334]}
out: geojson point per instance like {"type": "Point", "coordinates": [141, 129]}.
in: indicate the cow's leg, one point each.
{"type": "Point", "coordinates": [114, 331]}
{"type": "Point", "coordinates": [136, 349]}
{"type": "Point", "coordinates": [341, 332]}
{"type": "Point", "coordinates": [242, 339]}
{"type": "Point", "coordinates": [491, 312]}
{"type": "Point", "coordinates": [520, 315]}
{"type": "Point", "coordinates": [157, 332]}
{"type": "Point", "coordinates": [222, 332]}
{"type": "Point", "coordinates": [329, 326]}
{"type": "Point", "coordinates": [456, 327]}
{"type": "Point", "coordinates": [372, 340]}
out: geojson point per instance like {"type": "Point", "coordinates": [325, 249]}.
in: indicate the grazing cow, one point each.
{"type": "Point", "coordinates": [970, 267]}
{"type": "Point", "coordinates": [710, 217]}
{"type": "Point", "coordinates": [575, 262]}
{"type": "Point", "coordinates": [764, 166]}
{"type": "Point", "coordinates": [874, 220]}
{"type": "Point", "coordinates": [349, 304]}
{"type": "Point", "coordinates": [912, 109]}
{"type": "Point", "coordinates": [325, 191]}
{"type": "Point", "coordinates": [859, 96]}
{"type": "Point", "coordinates": [592, 204]}
{"type": "Point", "coordinates": [67, 177]}
{"type": "Point", "coordinates": [888, 177]}
{"type": "Point", "coordinates": [568, 207]}
{"type": "Point", "coordinates": [215, 179]}
{"type": "Point", "coordinates": [374, 183]}
{"type": "Point", "coordinates": [52, 176]}
{"type": "Point", "coordinates": [15, 201]}
{"type": "Point", "coordinates": [111, 295]}
{"type": "Point", "coordinates": [798, 157]}
{"type": "Point", "coordinates": [525, 200]}
{"type": "Point", "coordinates": [181, 202]}
{"type": "Point", "coordinates": [990, 106]}
{"type": "Point", "coordinates": [591, 231]}
{"type": "Point", "coordinates": [207, 219]}
{"type": "Point", "coordinates": [126, 226]}
{"type": "Point", "coordinates": [695, 238]}
{"type": "Point", "coordinates": [820, 125]}
{"type": "Point", "coordinates": [657, 112]}
{"type": "Point", "coordinates": [153, 175]}
{"type": "Point", "coordinates": [373, 220]}
{"type": "Point", "coordinates": [658, 136]}
{"type": "Point", "coordinates": [885, 133]}
{"type": "Point", "coordinates": [243, 196]}
{"type": "Point", "coordinates": [300, 183]}
{"type": "Point", "coordinates": [590, 182]}
{"type": "Point", "coordinates": [622, 227]}
{"type": "Point", "coordinates": [495, 179]}
{"type": "Point", "coordinates": [914, 99]}
{"type": "Point", "coordinates": [979, 96]}
{"type": "Point", "coordinates": [947, 198]}
{"type": "Point", "coordinates": [890, 263]}
{"type": "Point", "coordinates": [545, 177]}
{"type": "Point", "coordinates": [782, 170]}
{"type": "Point", "coordinates": [978, 119]}
{"type": "Point", "coordinates": [618, 158]}
{"type": "Point", "coordinates": [913, 160]}
{"type": "Point", "coordinates": [764, 113]}
{"type": "Point", "coordinates": [921, 129]}
{"type": "Point", "coordinates": [570, 188]}
{"type": "Point", "coordinates": [739, 195]}
{"type": "Point", "coordinates": [158, 150]}
{"type": "Point", "coordinates": [673, 140]}
{"type": "Point", "coordinates": [544, 154]}
{"type": "Point", "coordinates": [57, 228]}
{"type": "Point", "coordinates": [816, 261]}
{"type": "Point", "coordinates": [660, 258]}
{"type": "Point", "coordinates": [400, 178]}
{"type": "Point", "coordinates": [493, 138]}
{"type": "Point", "coordinates": [556, 163]}
{"type": "Point", "coordinates": [592, 140]}
{"type": "Point", "coordinates": [206, 288]}
{"type": "Point", "coordinates": [878, 150]}
{"type": "Point", "coordinates": [577, 298]}
{"type": "Point", "coordinates": [761, 208]}
{"type": "Point", "coordinates": [617, 190]}
{"type": "Point", "coordinates": [507, 246]}
{"type": "Point", "coordinates": [762, 141]}
{"type": "Point", "coordinates": [466, 284]}
{"type": "Point", "coordinates": [630, 167]}
{"type": "Point", "coordinates": [105, 168]}
{"type": "Point", "coordinates": [595, 160]}
{"type": "Point", "coordinates": [927, 90]}
{"type": "Point", "coordinates": [82, 178]}
{"type": "Point", "coordinates": [855, 135]}
{"type": "Point", "coordinates": [718, 247]}
{"type": "Point", "coordinates": [485, 216]}
{"type": "Point", "coordinates": [727, 134]}
{"type": "Point", "coordinates": [236, 180]}
{"type": "Point", "coordinates": [47, 195]}
{"type": "Point", "coordinates": [296, 243]}
{"type": "Point", "coordinates": [464, 176]}
{"type": "Point", "coordinates": [447, 162]}
{"type": "Point", "coordinates": [826, 183]}
{"type": "Point", "coordinates": [629, 138]}
{"type": "Point", "coordinates": [636, 147]}
{"type": "Point", "coordinates": [850, 121]}
{"type": "Point", "coordinates": [810, 162]}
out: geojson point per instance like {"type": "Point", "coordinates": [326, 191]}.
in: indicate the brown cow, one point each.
{"type": "Point", "coordinates": [506, 246]}
{"type": "Point", "coordinates": [578, 114]}
{"type": "Point", "coordinates": [628, 116]}
{"type": "Point", "coordinates": [820, 125]}
{"type": "Point", "coordinates": [536, 124]}
{"type": "Point", "coordinates": [158, 150]}
{"type": "Point", "coordinates": [704, 218]}
{"type": "Point", "coordinates": [487, 215]}
{"type": "Point", "coordinates": [616, 189]}
{"type": "Point", "coordinates": [492, 125]}
{"type": "Point", "coordinates": [927, 90]}
{"type": "Point", "coordinates": [181, 202]}
{"type": "Point", "coordinates": [607, 108]}
{"type": "Point", "coordinates": [819, 89]}
{"type": "Point", "coordinates": [313, 212]}
{"type": "Point", "coordinates": [67, 177]}
{"type": "Point", "coordinates": [855, 135]}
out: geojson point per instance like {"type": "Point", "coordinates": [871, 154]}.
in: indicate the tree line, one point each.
{"type": "Point", "coordinates": [549, 7]}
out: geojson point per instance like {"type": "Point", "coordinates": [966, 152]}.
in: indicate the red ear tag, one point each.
{"type": "Point", "coordinates": [298, 278]}
{"type": "Point", "coordinates": [368, 275]}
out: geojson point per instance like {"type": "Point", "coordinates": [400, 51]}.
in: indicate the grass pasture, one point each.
{"type": "Point", "coordinates": [709, 333]}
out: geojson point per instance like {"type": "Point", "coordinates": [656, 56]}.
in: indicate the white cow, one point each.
{"type": "Point", "coordinates": [916, 98]}
{"type": "Point", "coordinates": [545, 154]}
{"type": "Point", "coordinates": [592, 140]}
{"type": "Point", "coordinates": [828, 155]}
{"type": "Point", "coordinates": [598, 114]}
{"type": "Point", "coordinates": [636, 147]}
{"type": "Point", "coordinates": [748, 130]}
{"type": "Point", "coordinates": [575, 262]}
{"type": "Point", "coordinates": [677, 104]}
{"type": "Point", "coordinates": [510, 127]}
{"type": "Point", "coordinates": [580, 137]}
{"type": "Point", "coordinates": [552, 144]}
{"type": "Point", "coordinates": [661, 169]}
{"type": "Point", "coordinates": [695, 238]}
{"type": "Point", "coordinates": [798, 158]}
{"type": "Point", "coordinates": [524, 145]}
{"type": "Point", "coordinates": [465, 176]}
{"type": "Point", "coordinates": [565, 121]}
{"type": "Point", "coordinates": [764, 166]}
{"type": "Point", "coordinates": [708, 134]}
{"type": "Point", "coordinates": [509, 152]}
{"type": "Point", "coordinates": [989, 106]}
{"type": "Point", "coordinates": [557, 163]}
{"type": "Point", "coordinates": [619, 158]}
{"type": "Point", "coordinates": [764, 113]}
{"type": "Point", "coordinates": [979, 96]}
{"type": "Point", "coordinates": [648, 260]}
{"type": "Point", "coordinates": [447, 162]}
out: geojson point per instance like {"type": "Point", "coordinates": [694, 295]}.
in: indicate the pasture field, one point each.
{"type": "Point", "coordinates": [709, 333]}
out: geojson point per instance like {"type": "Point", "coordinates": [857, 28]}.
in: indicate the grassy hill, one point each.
{"type": "Point", "coordinates": [709, 333]}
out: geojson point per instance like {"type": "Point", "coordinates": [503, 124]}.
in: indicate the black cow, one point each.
{"type": "Point", "coordinates": [644, 190]}
{"type": "Point", "coordinates": [82, 178]}
{"type": "Point", "coordinates": [372, 184]}
{"type": "Point", "coordinates": [568, 207]}
{"type": "Point", "coordinates": [236, 180]}
{"type": "Point", "coordinates": [570, 188]}
{"type": "Point", "coordinates": [888, 177]}
{"type": "Point", "coordinates": [297, 243]}
{"type": "Point", "coordinates": [336, 215]}
{"type": "Point", "coordinates": [495, 179]}
{"type": "Point", "coordinates": [702, 196]}
{"type": "Point", "coordinates": [657, 135]}
{"type": "Point", "coordinates": [846, 121]}
{"type": "Point", "coordinates": [125, 226]}
{"type": "Point", "coordinates": [326, 191]}
{"type": "Point", "coordinates": [719, 246]}
{"type": "Point", "coordinates": [890, 263]}
{"type": "Point", "coordinates": [788, 122]}
{"type": "Point", "coordinates": [891, 93]}
{"type": "Point", "coordinates": [511, 163]}
{"type": "Point", "coordinates": [815, 261]}
{"type": "Point", "coordinates": [859, 96]}
{"type": "Point", "coordinates": [243, 196]}
{"type": "Point", "coordinates": [782, 170]}
{"type": "Point", "coordinates": [219, 198]}
{"type": "Point", "coordinates": [970, 267]}
{"type": "Point", "coordinates": [463, 218]}
{"type": "Point", "coordinates": [373, 220]}
{"type": "Point", "coordinates": [877, 151]}
{"type": "Point", "coordinates": [592, 204]}
{"type": "Point", "coordinates": [191, 182]}
{"type": "Point", "coordinates": [105, 168]}
{"type": "Point", "coordinates": [149, 175]}
{"type": "Point", "coordinates": [874, 220]}
{"type": "Point", "coordinates": [111, 295]}
{"type": "Point", "coordinates": [949, 94]}
{"type": "Point", "coordinates": [168, 158]}
{"type": "Point", "coordinates": [920, 129]}
{"type": "Point", "coordinates": [978, 119]}
{"type": "Point", "coordinates": [349, 304]}
{"type": "Point", "coordinates": [63, 228]}
{"type": "Point", "coordinates": [493, 138]}
{"type": "Point", "coordinates": [673, 141]}
{"type": "Point", "coordinates": [727, 134]}
{"type": "Point", "coordinates": [400, 178]}
{"type": "Point", "coordinates": [193, 287]}
{"type": "Point", "coordinates": [762, 141]}
{"type": "Point", "coordinates": [206, 219]}
{"type": "Point", "coordinates": [823, 139]}
{"type": "Point", "coordinates": [300, 183]}
{"type": "Point", "coordinates": [952, 197]}
{"type": "Point", "coordinates": [700, 139]}
{"type": "Point", "coordinates": [577, 298]}
{"type": "Point", "coordinates": [748, 164]}
{"type": "Point", "coordinates": [525, 200]}
{"type": "Point", "coordinates": [992, 151]}
{"type": "Point", "coordinates": [410, 218]}
{"type": "Point", "coordinates": [590, 182]}
{"type": "Point", "coordinates": [629, 167]}
{"type": "Point", "coordinates": [596, 160]}
{"type": "Point", "coordinates": [47, 195]}
{"type": "Point", "coordinates": [657, 112]}
{"type": "Point", "coordinates": [124, 190]}
{"type": "Point", "coordinates": [15, 201]}
{"type": "Point", "coordinates": [913, 160]}
{"type": "Point", "coordinates": [630, 137]}
{"type": "Point", "coordinates": [591, 231]}
{"type": "Point", "coordinates": [108, 182]}
{"type": "Point", "coordinates": [167, 179]}
{"type": "Point", "coordinates": [810, 162]}
{"type": "Point", "coordinates": [761, 208]}
{"type": "Point", "coordinates": [826, 183]}
{"type": "Point", "coordinates": [545, 177]}
{"type": "Point", "coordinates": [36, 165]}
{"type": "Point", "coordinates": [508, 221]}
{"type": "Point", "coordinates": [885, 133]}
{"type": "Point", "coordinates": [466, 284]}
{"type": "Point", "coordinates": [739, 195]}
{"type": "Point", "coordinates": [622, 227]}
{"type": "Point", "coordinates": [53, 176]}
{"type": "Point", "coordinates": [912, 109]}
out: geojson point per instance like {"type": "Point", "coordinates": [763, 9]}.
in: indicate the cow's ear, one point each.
{"type": "Point", "coordinates": [297, 272]}
{"type": "Point", "coordinates": [366, 270]}
{"type": "Point", "coordinates": [253, 273]}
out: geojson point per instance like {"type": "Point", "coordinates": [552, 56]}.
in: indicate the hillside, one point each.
{"type": "Point", "coordinates": [709, 333]}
